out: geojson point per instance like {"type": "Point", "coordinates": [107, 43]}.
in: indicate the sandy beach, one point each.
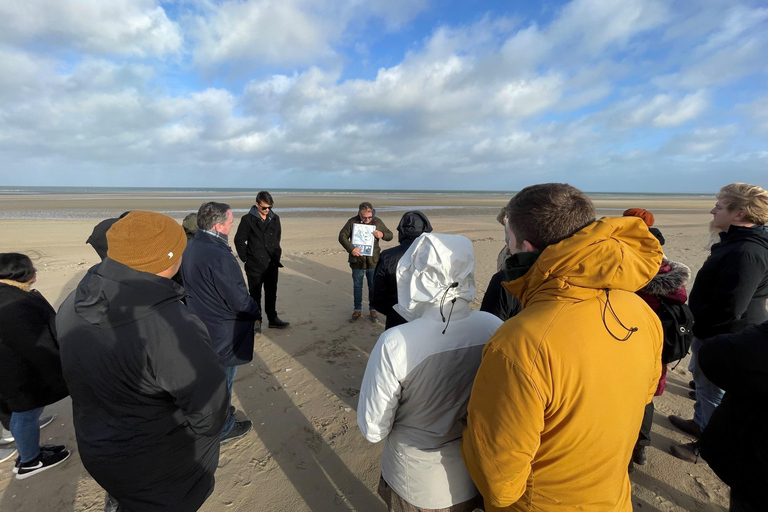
{"type": "Point", "coordinates": [305, 452]}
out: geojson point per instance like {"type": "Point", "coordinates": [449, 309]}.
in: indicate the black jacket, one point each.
{"type": "Point", "coordinates": [30, 367]}
{"type": "Point", "coordinates": [730, 290]}
{"type": "Point", "coordinates": [149, 395]}
{"type": "Point", "coordinates": [735, 442]}
{"type": "Point", "coordinates": [345, 239]}
{"type": "Point", "coordinates": [257, 241]}
{"type": "Point", "coordinates": [218, 295]}
{"type": "Point", "coordinates": [497, 300]}
{"type": "Point", "coordinates": [384, 293]}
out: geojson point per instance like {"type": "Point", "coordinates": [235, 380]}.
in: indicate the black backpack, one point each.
{"type": "Point", "coordinates": [677, 322]}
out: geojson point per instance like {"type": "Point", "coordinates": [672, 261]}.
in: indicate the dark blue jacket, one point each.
{"type": "Point", "coordinates": [218, 295]}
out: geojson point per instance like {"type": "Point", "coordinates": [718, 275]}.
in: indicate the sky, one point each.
{"type": "Point", "coordinates": [608, 95]}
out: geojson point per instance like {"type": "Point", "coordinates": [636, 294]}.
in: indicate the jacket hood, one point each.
{"type": "Point", "coordinates": [615, 253]}
{"type": "Point", "coordinates": [672, 276]}
{"type": "Point", "coordinates": [756, 234]}
{"type": "Point", "coordinates": [255, 212]}
{"type": "Point", "coordinates": [427, 270]}
{"type": "Point", "coordinates": [412, 225]}
{"type": "Point", "coordinates": [112, 294]}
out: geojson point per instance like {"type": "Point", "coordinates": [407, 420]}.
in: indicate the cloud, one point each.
{"type": "Point", "coordinates": [133, 27]}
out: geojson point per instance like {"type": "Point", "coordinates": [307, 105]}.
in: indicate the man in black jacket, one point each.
{"type": "Point", "coordinates": [735, 442]}
{"type": "Point", "coordinates": [148, 393]}
{"type": "Point", "coordinates": [729, 293]}
{"type": "Point", "coordinates": [218, 296]}
{"type": "Point", "coordinates": [384, 293]}
{"type": "Point", "coordinates": [257, 242]}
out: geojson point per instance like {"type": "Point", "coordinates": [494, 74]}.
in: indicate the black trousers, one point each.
{"type": "Point", "coordinates": [644, 439]}
{"type": "Point", "coordinates": [267, 279]}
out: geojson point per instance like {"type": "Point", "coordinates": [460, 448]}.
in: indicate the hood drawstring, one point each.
{"type": "Point", "coordinates": [453, 301]}
{"type": "Point", "coordinates": [630, 330]}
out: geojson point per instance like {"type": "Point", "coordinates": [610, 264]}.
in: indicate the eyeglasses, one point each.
{"type": "Point", "coordinates": [366, 218]}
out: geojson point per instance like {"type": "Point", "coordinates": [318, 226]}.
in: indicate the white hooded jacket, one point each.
{"type": "Point", "coordinates": [419, 376]}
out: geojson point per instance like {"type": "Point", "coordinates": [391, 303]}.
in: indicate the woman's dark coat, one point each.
{"type": "Point", "coordinates": [731, 288]}
{"type": "Point", "coordinates": [735, 442]}
{"type": "Point", "coordinates": [30, 365]}
{"type": "Point", "coordinates": [149, 395]}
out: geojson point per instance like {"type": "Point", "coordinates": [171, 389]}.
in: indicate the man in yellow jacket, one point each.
{"type": "Point", "coordinates": [560, 393]}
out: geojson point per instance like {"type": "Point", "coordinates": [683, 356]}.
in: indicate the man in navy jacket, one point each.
{"type": "Point", "coordinates": [219, 297]}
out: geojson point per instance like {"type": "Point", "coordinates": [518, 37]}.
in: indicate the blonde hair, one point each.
{"type": "Point", "coordinates": [750, 199]}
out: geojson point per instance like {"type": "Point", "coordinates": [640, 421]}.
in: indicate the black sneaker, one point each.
{"type": "Point", "coordinates": [276, 323]}
{"type": "Point", "coordinates": [55, 448]}
{"type": "Point", "coordinates": [46, 460]}
{"type": "Point", "coordinates": [639, 457]}
{"type": "Point", "coordinates": [239, 430]}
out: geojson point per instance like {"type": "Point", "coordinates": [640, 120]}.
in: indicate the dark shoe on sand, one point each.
{"type": "Point", "coordinates": [355, 316]}
{"type": "Point", "coordinates": [688, 452]}
{"type": "Point", "coordinates": [239, 430]}
{"type": "Point", "coordinates": [639, 457]}
{"type": "Point", "coordinates": [276, 323]}
{"type": "Point", "coordinates": [688, 426]}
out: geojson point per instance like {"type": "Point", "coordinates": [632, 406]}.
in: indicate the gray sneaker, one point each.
{"type": "Point", "coordinates": [238, 430]}
{"type": "Point", "coordinates": [6, 453]}
{"type": "Point", "coordinates": [7, 437]}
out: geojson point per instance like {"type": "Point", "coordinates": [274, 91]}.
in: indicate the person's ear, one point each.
{"type": "Point", "coordinates": [528, 247]}
{"type": "Point", "coordinates": [740, 216]}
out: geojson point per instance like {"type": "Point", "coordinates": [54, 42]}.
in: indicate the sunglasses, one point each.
{"type": "Point", "coordinates": [263, 207]}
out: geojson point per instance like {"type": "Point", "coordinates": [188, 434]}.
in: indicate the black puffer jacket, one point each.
{"type": "Point", "coordinates": [257, 241]}
{"type": "Point", "coordinates": [30, 365]}
{"type": "Point", "coordinates": [731, 288]}
{"type": "Point", "coordinates": [735, 442]}
{"type": "Point", "coordinates": [149, 395]}
{"type": "Point", "coordinates": [384, 294]}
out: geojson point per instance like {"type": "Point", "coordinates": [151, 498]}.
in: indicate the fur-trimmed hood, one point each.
{"type": "Point", "coordinates": [665, 283]}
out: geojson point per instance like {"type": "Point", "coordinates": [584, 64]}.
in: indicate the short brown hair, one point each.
{"type": "Point", "coordinates": [265, 197]}
{"type": "Point", "coordinates": [750, 199]}
{"type": "Point", "coordinates": [365, 205]}
{"type": "Point", "coordinates": [548, 213]}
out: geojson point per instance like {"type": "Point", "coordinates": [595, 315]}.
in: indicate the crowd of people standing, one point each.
{"type": "Point", "coordinates": [542, 400]}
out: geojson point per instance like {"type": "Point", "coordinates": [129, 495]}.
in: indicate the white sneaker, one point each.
{"type": "Point", "coordinates": [7, 453]}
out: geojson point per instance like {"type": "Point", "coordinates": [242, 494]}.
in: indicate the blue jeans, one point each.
{"type": "Point", "coordinates": [26, 430]}
{"type": "Point", "coordinates": [708, 396]}
{"type": "Point", "coordinates": [357, 282]}
{"type": "Point", "coordinates": [231, 370]}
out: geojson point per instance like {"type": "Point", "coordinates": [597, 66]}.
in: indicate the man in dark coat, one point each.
{"type": "Point", "coordinates": [148, 393]}
{"type": "Point", "coordinates": [384, 293]}
{"type": "Point", "coordinates": [735, 442]}
{"type": "Point", "coordinates": [218, 296]}
{"type": "Point", "coordinates": [257, 242]}
{"type": "Point", "coordinates": [729, 293]}
{"type": "Point", "coordinates": [361, 265]}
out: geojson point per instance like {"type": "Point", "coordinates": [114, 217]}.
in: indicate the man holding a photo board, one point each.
{"type": "Point", "coordinates": [360, 237]}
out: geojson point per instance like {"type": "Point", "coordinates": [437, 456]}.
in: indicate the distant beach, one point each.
{"type": "Point", "coordinates": [70, 203]}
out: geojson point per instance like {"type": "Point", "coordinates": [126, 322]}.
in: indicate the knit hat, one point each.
{"type": "Point", "coordinates": [643, 214]}
{"type": "Point", "coordinates": [146, 241]}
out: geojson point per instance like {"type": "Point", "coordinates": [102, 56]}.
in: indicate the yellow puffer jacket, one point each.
{"type": "Point", "coordinates": [558, 400]}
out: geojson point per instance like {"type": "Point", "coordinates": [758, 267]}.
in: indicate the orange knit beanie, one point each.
{"type": "Point", "coordinates": [146, 241]}
{"type": "Point", "coordinates": [643, 214]}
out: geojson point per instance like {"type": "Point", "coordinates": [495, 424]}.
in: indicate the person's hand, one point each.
{"type": "Point", "coordinates": [378, 234]}
{"type": "Point", "coordinates": [355, 252]}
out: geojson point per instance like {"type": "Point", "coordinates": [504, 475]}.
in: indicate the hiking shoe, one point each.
{"type": "Point", "coordinates": [690, 427]}
{"type": "Point", "coordinates": [257, 327]}
{"type": "Point", "coordinates": [46, 460]}
{"type": "Point", "coordinates": [239, 430]}
{"type": "Point", "coordinates": [374, 317]}
{"type": "Point", "coordinates": [692, 384]}
{"type": "Point", "coordinates": [688, 452]}
{"type": "Point", "coordinates": [276, 323]}
{"type": "Point", "coordinates": [355, 316]}
{"type": "Point", "coordinates": [7, 453]}
{"type": "Point", "coordinates": [7, 437]}
{"type": "Point", "coordinates": [55, 448]}
{"type": "Point", "coordinates": [692, 395]}
{"type": "Point", "coordinates": [639, 457]}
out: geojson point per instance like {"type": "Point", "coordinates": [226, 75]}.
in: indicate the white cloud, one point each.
{"type": "Point", "coordinates": [135, 27]}
{"type": "Point", "coordinates": [685, 110]}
